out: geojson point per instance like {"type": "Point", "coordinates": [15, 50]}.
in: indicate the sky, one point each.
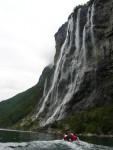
{"type": "Point", "coordinates": [27, 44]}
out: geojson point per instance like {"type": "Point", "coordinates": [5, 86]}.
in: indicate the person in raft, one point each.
{"type": "Point", "coordinates": [66, 137]}
{"type": "Point", "coordinates": [73, 137]}
{"type": "Point", "coordinates": [70, 137]}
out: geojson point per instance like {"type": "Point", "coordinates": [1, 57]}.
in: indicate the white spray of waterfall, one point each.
{"type": "Point", "coordinates": [45, 85]}
{"type": "Point", "coordinates": [89, 23]}
{"type": "Point", "coordinates": [77, 33]}
{"type": "Point", "coordinates": [81, 65]}
{"type": "Point", "coordinates": [92, 30]}
{"type": "Point", "coordinates": [57, 67]}
{"type": "Point", "coordinates": [78, 65]}
{"type": "Point", "coordinates": [88, 16]}
{"type": "Point", "coordinates": [84, 46]}
{"type": "Point", "coordinates": [73, 85]}
{"type": "Point", "coordinates": [67, 48]}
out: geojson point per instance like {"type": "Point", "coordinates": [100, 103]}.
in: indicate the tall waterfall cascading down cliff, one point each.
{"type": "Point", "coordinates": [74, 80]}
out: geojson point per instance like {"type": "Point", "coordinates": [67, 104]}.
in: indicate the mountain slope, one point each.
{"type": "Point", "coordinates": [15, 109]}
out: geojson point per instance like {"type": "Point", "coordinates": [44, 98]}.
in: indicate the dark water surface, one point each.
{"type": "Point", "coordinates": [98, 140]}
{"type": "Point", "coordinates": [22, 136]}
{"type": "Point", "coordinates": [15, 140]}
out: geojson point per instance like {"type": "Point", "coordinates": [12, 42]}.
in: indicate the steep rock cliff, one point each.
{"type": "Point", "coordinates": [82, 75]}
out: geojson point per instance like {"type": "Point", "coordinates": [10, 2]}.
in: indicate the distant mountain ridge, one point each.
{"type": "Point", "coordinates": [80, 83]}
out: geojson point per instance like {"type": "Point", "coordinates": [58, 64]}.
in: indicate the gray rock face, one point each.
{"type": "Point", "coordinates": [82, 75]}
{"type": "Point", "coordinates": [60, 38]}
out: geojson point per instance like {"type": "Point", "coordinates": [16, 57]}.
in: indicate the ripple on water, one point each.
{"type": "Point", "coordinates": [52, 145]}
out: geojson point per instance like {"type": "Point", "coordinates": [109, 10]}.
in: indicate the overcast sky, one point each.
{"type": "Point", "coordinates": [27, 29]}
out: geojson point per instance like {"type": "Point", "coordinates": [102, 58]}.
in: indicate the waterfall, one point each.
{"type": "Point", "coordinates": [88, 15]}
{"type": "Point", "coordinates": [84, 50]}
{"type": "Point", "coordinates": [76, 69]}
{"type": "Point", "coordinates": [89, 24]}
{"type": "Point", "coordinates": [56, 72]}
{"type": "Point", "coordinates": [77, 33]}
{"type": "Point", "coordinates": [92, 31]}
{"type": "Point", "coordinates": [45, 85]}
{"type": "Point", "coordinates": [84, 47]}
{"type": "Point", "coordinates": [73, 84]}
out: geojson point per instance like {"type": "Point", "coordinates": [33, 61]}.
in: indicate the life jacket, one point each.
{"type": "Point", "coordinates": [73, 137]}
{"type": "Point", "coordinates": [66, 138]}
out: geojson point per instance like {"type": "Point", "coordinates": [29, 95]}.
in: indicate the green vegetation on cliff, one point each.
{"type": "Point", "coordinates": [95, 121]}
{"type": "Point", "coordinates": [15, 109]}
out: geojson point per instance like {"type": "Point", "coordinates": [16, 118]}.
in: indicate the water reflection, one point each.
{"type": "Point", "coordinates": [16, 136]}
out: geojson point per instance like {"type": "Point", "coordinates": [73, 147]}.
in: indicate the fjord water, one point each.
{"type": "Point", "coordinates": [15, 140]}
